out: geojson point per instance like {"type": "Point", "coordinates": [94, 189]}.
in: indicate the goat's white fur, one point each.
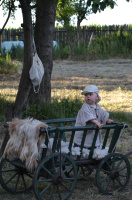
{"type": "Point", "coordinates": [24, 142]}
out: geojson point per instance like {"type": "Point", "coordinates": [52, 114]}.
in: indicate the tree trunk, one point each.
{"type": "Point", "coordinates": [25, 82]}
{"type": "Point", "coordinates": [79, 31]}
{"type": "Point", "coordinates": [44, 32]}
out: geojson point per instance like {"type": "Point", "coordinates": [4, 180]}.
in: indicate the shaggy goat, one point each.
{"type": "Point", "coordinates": [25, 142]}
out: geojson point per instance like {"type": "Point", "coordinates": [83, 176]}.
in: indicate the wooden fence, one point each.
{"type": "Point", "coordinates": [61, 35]}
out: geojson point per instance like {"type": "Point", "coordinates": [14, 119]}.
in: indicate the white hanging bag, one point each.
{"type": "Point", "coordinates": [36, 71]}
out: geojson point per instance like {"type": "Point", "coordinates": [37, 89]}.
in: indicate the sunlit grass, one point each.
{"type": "Point", "coordinates": [8, 94]}
{"type": "Point", "coordinates": [116, 100]}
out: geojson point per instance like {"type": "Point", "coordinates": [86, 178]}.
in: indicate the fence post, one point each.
{"type": "Point", "coordinates": [61, 35]}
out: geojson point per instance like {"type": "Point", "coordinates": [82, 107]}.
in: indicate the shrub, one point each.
{"type": "Point", "coordinates": [16, 52]}
{"type": "Point", "coordinates": [64, 108]}
{"type": "Point", "coordinates": [6, 66]}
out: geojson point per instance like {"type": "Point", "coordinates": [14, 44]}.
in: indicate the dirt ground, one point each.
{"type": "Point", "coordinates": [108, 75]}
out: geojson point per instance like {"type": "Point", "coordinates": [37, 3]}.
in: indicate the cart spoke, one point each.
{"type": "Point", "coordinates": [106, 189]}
{"type": "Point", "coordinates": [29, 176]}
{"type": "Point", "coordinates": [24, 181]}
{"type": "Point", "coordinates": [103, 170]}
{"type": "Point", "coordinates": [52, 192]}
{"type": "Point", "coordinates": [59, 192]}
{"type": "Point", "coordinates": [44, 180]}
{"type": "Point", "coordinates": [118, 180]}
{"type": "Point", "coordinates": [104, 179]}
{"type": "Point", "coordinates": [69, 171]}
{"type": "Point", "coordinates": [45, 189]}
{"type": "Point", "coordinates": [66, 169]}
{"type": "Point", "coordinates": [122, 168]}
{"type": "Point", "coordinates": [122, 175]}
{"type": "Point", "coordinates": [108, 165]}
{"type": "Point", "coordinates": [15, 188]}
{"type": "Point", "coordinates": [66, 187]}
{"type": "Point", "coordinates": [113, 163]}
{"type": "Point", "coordinates": [46, 170]}
{"type": "Point", "coordinates": [113, 185]}
{"type": "Point", "coordinates": [9, 170]}
{"type": "Point", "coordinates": [118, 164]}
{"type": "Point", "coordinates": [10, 179]}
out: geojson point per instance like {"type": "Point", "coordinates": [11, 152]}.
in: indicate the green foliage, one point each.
{"type": "Point", "coordinates": [63, 108]}
{"type": "Point", "coordinates": [83, 9]}
{"type": "Point", "coordinates": [16, 52]}
{"type": "Point", "coordinates": [80, 8]}
{"type": "Point", "coordinates": [67, 108]}
{"type": "Point", "coordinates": [122, 117]}
{"type": "Point", "coordinates": [61, 52]}
{"type": "Point", "coordinates": [6, 66]}
{"type": "Point", "coordinates": [113, 45]}
{"type": "Point", "coordinates": [103, 47]}
{"type": "Point", "coordinates": [65, 9]}
{"type": "Point", "coordinates": [3, 105]}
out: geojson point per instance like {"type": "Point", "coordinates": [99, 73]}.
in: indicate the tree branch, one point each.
{"type": "Point", "coordinates": [5, 22]}
{"type": "Point", "coordinates": [9, 13]}
{"type": "Point", "coordinates": [2, 2]}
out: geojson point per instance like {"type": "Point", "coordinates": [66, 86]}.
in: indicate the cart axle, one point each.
{"type": "Point", "coordinates": [57, 179]}
{"type": "Point", "coordinates": [114, 174]}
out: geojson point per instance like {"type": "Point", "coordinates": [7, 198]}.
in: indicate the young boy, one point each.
{"type": "Point", "coordinates": [91, 113]}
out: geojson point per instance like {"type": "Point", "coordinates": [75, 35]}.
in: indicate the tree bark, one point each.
{"type": "Point", "coordinates": [44, 32]}
{"type": "Point", "coordinates": [22, 98]}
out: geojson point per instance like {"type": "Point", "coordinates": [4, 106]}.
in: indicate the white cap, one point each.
{"type": "Point", "coordinates": [90, 89]}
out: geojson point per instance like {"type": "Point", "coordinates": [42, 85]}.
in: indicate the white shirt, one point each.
{"type": "Point", "coordinates": [85, 114]}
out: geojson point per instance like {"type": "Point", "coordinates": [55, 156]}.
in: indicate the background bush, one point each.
{"type": "Point", "coordinates": [112, 45]}
{"type": "Point", "coordinates": [16, 53]}
{"type": "Point", "coordinates": [6, 66]}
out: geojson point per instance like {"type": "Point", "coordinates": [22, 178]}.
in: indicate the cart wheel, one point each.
{"type": "Point", "coordinates": [14, 179]}
{"type": "Point", "coordinates": [50, 181]}
{"type": "Point", "coordinates": [113, 173]}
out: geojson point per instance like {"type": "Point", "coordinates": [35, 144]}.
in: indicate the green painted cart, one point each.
{"type": "Point", "coordinates": [57, 172]}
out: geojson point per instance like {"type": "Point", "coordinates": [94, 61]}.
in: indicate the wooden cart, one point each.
{"type": "Point", "coordinates": [57, 172]}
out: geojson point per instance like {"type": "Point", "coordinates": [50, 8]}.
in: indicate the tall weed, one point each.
{"type": "Point", "coordinates": [103, 47]}
{"type": "Point", "coordinates": [6, 66]}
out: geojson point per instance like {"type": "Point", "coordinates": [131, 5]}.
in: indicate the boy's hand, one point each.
{"type": "Point", "coordinates": [99, 125]}
{"type": "Point", "coordinates": [109, 121]}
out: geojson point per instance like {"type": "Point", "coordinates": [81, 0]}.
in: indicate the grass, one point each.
{"type": "Point", "coordinates": [66, 103]}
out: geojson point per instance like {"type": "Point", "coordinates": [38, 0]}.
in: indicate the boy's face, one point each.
{"type": "Point", "coordinates": [91, 98]}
